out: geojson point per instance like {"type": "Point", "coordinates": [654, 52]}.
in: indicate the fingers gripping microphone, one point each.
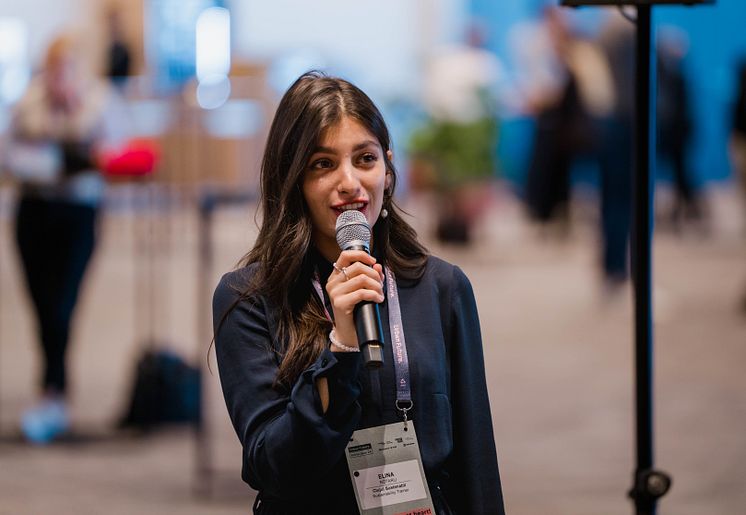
{"type": "Point", "coordinates": [353, 233]}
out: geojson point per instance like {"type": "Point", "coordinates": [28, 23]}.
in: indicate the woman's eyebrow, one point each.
{"type": "Point", "coordinates": [366, 143]}
{"type": "Point", "coordinates": [359, 146]}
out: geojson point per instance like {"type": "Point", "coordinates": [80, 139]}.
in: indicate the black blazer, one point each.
{"type": "Point", "coordinates": [293, 454]}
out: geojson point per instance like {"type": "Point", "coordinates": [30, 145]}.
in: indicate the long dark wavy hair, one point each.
{"type": "Point", "coordinates": [283, 265]}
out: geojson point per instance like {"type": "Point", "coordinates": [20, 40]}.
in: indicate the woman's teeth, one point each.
{"type": "Point", "coordinates": [347, 207]}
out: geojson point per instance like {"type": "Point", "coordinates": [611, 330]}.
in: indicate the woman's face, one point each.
{"type": "Point", "coordinates": [63, 79]}
{"type": "Point", "coordinates": [346, 171]}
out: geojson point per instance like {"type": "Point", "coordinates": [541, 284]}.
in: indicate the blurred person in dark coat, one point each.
{"type": "Point", "coordinates": [570, 95]}
{"type": "Point", "coordinates": [738, 133]}
{"type": "Point", "coordinates": [738, 142]}
{"type": "Point", "coordinates": [551, 96]}
{"type": "Point", "coordinates": [581, 93]}
{"type": "Point", "coordinates": [675, 122]}
{"type": "Point", "coordinates": [118, 56]}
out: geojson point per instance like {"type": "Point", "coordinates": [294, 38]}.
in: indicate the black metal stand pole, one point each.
{"type": "Point", "coordinates": [203, 485]}
{"type": "Point", "coordinates": [641, 240]}
{"type": "Point", "coordinates": [649, 484]}
{"type": "Point", "coordinates": [208, 202]}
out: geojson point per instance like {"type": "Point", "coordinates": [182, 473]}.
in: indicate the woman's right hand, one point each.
{"type": "Point", "coordinates": [356, 278]}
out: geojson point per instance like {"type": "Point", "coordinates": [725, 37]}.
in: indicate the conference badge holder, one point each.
{"type": "Point", "coordinates": [386, 471]}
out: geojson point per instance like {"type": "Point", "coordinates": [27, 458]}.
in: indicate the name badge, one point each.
{"type": "Point", "coordinates": [386, 471]}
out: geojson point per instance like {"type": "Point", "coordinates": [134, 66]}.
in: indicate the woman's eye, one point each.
{"type": "Point", "coordinates": [321, 164]}
{"type": "Point", "coordinates": [369, 158]}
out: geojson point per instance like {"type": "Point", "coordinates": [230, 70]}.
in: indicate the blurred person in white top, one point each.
{"type": "Point", "coordinates": [462, 80]}
{"type": "Point", "coordinates": [58, 130]}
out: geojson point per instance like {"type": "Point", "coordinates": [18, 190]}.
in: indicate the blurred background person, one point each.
{"type": "Point", "coordinates": [550, 96]}
{"type": "Point", "coordinates": [617, 40]}
{"type": "Point", "coordinates": [579, 91]}
{"type": "Point", "coordinates": [573, 98]}
{"type": "Point", "coordinates": [675, 124]}
{"type": "Point", "coordinates": [58, 127]}
{"type": "Point", "coordinates": [118, 56]}
{"type": "Point", "coordinates": [738, 142]}
{"type": "Point", "coordinates": [738, 135]}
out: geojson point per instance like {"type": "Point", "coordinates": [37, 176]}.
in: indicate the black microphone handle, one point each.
{"type": "Point", "coordinates": [368, 327]}
{"type": "Point", "coordinates": [369, 333]}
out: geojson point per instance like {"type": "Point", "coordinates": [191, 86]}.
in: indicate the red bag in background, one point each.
{"type": "Point", "coordinates": [138, 158]}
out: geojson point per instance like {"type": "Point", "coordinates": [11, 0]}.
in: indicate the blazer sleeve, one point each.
{"type": "Point", "coordinates": [475, 479]}
{"type": "Point", "coordinates": [286, 437]}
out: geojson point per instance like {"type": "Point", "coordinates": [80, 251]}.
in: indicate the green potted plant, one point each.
{"type": "Point", "coordinates": [457, 160]}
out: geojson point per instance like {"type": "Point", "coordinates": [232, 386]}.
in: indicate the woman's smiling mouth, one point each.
{"type": "Point", "coordinates": [359, 206]}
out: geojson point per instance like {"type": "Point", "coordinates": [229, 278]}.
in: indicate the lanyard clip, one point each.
{"type": "Point", "coordinates": [404, 406]}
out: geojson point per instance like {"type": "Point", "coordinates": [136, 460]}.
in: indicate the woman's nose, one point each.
{"type": "Point", "coordinates": [349, 183]}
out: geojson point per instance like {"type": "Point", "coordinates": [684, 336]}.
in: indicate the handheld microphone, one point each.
{"type": "Point", "coordinates": [353, 233]}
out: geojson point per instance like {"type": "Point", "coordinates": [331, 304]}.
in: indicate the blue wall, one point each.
{"type": "Point", "coordinates": [717, 43]}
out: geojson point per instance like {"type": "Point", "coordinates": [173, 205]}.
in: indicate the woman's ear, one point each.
{"type": "Point", "coordinates": [390, 155]}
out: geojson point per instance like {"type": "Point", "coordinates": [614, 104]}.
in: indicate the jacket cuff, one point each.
{"type": "Point", "coordinates": [342, 371]}
{"type": "Point", "coordinates": [341, 366]}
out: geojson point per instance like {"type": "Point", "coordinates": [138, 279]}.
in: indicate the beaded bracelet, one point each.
{"type": "Point", "coordinates": [341, 346]}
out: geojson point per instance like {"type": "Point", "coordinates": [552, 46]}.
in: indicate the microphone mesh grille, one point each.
{"type": "Point", "coordinates": [352, 226]}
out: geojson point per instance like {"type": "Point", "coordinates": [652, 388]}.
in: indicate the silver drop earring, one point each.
{"type": "Point", "coordinates": [384, 213]}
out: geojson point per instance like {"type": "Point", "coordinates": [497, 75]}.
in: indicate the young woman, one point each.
{"type": "Point", "coordinates": [295, 387]}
